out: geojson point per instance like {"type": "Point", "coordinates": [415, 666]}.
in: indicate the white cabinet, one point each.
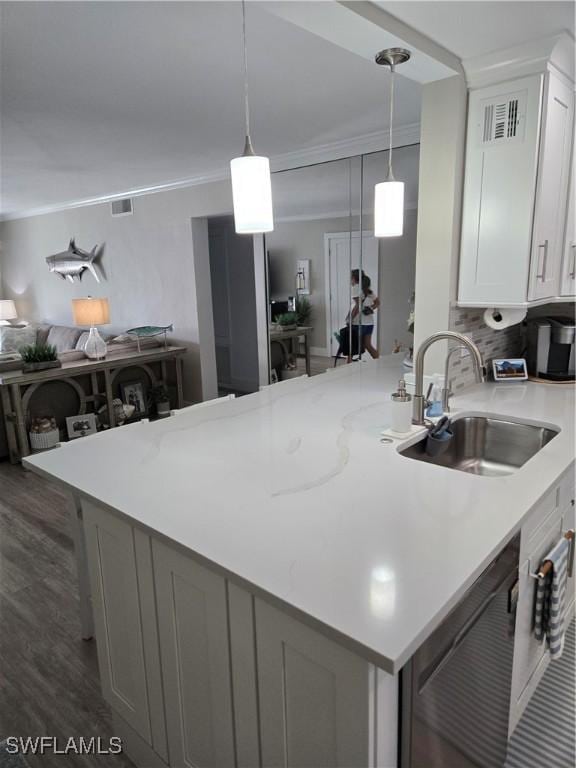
{"type": "Point", "coordinates": [193, 629]}
{"type": "Point", "coordinates": [569, 263]}
{"type": "Point", "coordinates": [120, 567]}
{"type": "Point", "coordinates": [552, 190]}
{"type": "Point", "coordinates": [553, 516]}
{"type": "Point", "coordinates": [515, 191]}
{"type": "Point", "coordinates": [313, 696]}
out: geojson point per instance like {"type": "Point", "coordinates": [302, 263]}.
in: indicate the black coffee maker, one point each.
{"type": "Point", "coordinates": [551, 348]}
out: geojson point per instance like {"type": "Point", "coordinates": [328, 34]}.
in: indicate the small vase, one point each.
{"type": "Point", "coordinates": [95, 347]}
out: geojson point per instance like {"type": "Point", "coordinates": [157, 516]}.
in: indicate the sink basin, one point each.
{"type": "Point", "coordinates": [486, 445]}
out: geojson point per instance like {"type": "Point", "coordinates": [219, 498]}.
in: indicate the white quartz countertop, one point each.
{"type": "Point", "coordinates": [291, 490]}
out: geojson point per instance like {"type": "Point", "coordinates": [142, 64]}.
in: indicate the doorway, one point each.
{"type": "Point", "coordinates": [233, 285]}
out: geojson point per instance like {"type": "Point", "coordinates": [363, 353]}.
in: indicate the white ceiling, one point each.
{"type": "Point", "coordinates": [104, 97]}
{"type": "Point", "coordinates": [471, 28]}
{"type": "Point", "coordinates": [100, 98]}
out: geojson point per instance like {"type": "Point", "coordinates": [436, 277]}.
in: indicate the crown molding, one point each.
{"type": "Point", "coordinates": [533, 57]}
{"type": "Point", "coordinates": [377, 141]}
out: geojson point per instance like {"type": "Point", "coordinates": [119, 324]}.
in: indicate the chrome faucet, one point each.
{"type": "Point", "coordinates": [463, 341]}
{"type": "Point", "coordinates": [447, 388]}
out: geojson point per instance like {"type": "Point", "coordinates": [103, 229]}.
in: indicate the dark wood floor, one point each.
{"type": "Point", "coordinates": [48, 675]}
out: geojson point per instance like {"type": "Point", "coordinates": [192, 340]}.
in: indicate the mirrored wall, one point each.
{"type": "Point", "coordinates": [335, 291]}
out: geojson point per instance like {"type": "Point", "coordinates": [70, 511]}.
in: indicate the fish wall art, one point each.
{"type": "Point", "coordinates": [74, 261]}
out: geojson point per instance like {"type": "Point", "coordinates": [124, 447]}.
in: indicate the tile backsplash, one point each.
{"type": "Point", "coordinates": [505, 343]}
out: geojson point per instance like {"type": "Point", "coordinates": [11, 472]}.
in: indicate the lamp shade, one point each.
{"type": "Point", "coordinates": [91, 311]}
{"type": "Point", "coordinates": [252, 194]}
{"type": "Point", "coordinates": [7, 310]}
{"type": "Point", "coordinates": [389, 209]}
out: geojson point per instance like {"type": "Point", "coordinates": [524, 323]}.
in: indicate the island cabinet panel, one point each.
{"type": "Point", "coordinates": [113, 560]}
{"type": "Point", "coordinates": [194, 648]}
{"type": "Point", "coordinates": [552, 517]}
{"type": "Point", "coordinates": [313, 694]}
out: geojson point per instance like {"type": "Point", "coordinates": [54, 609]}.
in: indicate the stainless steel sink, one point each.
{"type": "Point", "coordinates": [484, 445]}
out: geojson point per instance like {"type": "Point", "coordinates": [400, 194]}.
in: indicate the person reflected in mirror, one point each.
{"type": "Point", "coordinates": [363, 311]}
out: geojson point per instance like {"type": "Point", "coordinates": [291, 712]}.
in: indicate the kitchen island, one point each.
{"type": "Point", "coordinates": [263, 560]}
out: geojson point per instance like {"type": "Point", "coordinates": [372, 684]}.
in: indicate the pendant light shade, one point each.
{"type": "Point", "coordinates": [251, 183]}
{"type": "Point", "coordinates": [389, 209]}
{"type": "Point", "coordinates": [389, 194]}
{"type": "Point", "coordinates": [252, 194]}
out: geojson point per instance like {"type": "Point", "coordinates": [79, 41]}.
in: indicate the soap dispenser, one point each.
{"type": "Point", "coordinates": [401, 409]}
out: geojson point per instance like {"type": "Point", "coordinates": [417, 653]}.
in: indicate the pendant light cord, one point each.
{"type": "Point", "coordinates": [392, 70]}
{"type": "Point", "coordinates": [246, 101]}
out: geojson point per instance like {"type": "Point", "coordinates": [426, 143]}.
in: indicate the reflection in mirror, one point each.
{"type": "Point", "coordinates": [396, 260]}
{"type": "Point", "coordinates": [336, 293]}
{"type": "Point", "coordinates": [316, 209]}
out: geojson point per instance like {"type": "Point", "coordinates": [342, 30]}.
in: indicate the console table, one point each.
{"type": "Point", "coordinates": [303, 331]}
{"type": "Point", "coordinates": [93, 382]}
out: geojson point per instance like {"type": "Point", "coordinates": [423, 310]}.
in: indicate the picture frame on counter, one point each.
{"type": "Point", "coordinates": [81, 425]}
{"type": "Point", "coordinates": [510, 369]}
{"type": "Point", "coordinates": [133, 394]}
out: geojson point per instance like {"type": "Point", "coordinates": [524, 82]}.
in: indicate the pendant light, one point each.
{"type": "Point", "coordinates": [389, 194]}
{"type": "Point", "coordinates": [251, 185]}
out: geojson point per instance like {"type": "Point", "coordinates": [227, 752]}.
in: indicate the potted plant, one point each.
{"type": "Point", "coordinates": [288, 321]}
{"type": "Point", "coordinates": [303, 311]}
{"type": "Point", "coordinates": [38, 357]}
{"type": "Point", "coordinates": [161, 400]}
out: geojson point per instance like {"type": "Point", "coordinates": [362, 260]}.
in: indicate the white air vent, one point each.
{"type": "Point", "coordinates": [502, 119]}
{"type": "Point", "coordinates": [121, 207]}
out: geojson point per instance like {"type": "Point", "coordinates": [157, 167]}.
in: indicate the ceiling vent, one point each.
{"type": "Point", "coordinates": [503, 119]}
{"type": "Point", "coordinates": [122, 207]}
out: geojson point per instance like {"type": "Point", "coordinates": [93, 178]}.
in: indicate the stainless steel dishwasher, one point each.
{"type": "Point", "coordinates": [456, 688]}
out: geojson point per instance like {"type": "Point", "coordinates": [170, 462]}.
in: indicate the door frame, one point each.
{"type": "Point", "coordinates": [328, 236]}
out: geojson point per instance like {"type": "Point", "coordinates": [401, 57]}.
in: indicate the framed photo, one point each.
{"type": "Point", "coordinates": [133, 394]}
{"type": "Point", "coordinates": [81, 425]}
{"type": "Point", "coordinates": [510, 369]}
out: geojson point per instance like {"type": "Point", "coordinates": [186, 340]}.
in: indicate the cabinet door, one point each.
{"type": "Point", "coordinates": [552, 190]}
{"type": "Point", "coordinates": [529, 653]}
{"type": "Point", "coordinates": [499, 190]}
{"type": "Point", "coordinates": [193, 632]}
{"type": "Point", "coordinates": [112, 563]}
{"type": "Point", "coordinates": [314, 696]}
{"type": "Point", "coordinates": [569, 263]}
{"type": "Point", "coordinates": [569, 524]}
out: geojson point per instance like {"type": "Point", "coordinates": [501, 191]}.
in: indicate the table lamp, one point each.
{"type": "Point", "coordinates": [7, 311]}
{"type": "Point", "coordinates": [92, 312]}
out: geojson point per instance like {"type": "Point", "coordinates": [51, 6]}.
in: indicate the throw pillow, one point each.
{"type": "Point", "coordinates": [12, 338]}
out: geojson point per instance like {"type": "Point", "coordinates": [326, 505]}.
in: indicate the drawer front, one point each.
{"type": "Point", "coordinates": [539, 522]}
{"type": "Point", "coordinates": [567, 489]}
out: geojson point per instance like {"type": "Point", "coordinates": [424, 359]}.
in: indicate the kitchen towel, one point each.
{"type": "Point", "coordinates": [550, 599]}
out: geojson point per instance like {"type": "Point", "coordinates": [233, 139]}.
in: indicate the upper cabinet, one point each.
{"type": "Point", "coordinates": [568, 287]}
{"type": "Point", "coordinates": [551, 190]}
{"type": "Point", "coordinates": [518, 152]}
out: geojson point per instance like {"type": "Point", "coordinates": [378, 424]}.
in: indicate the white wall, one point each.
{"type": "Point", "coordinates": [149, 262]}
{"type": "Point", "coordinates": [441, 176]}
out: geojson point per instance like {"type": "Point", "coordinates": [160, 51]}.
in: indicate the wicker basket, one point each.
{"type": "Point", "coordinates": [42, 441]}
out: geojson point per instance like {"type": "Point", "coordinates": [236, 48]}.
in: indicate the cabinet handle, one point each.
{"type": "Point", "coordinates": [570, 567]}
{"type": "Point", "coordinates": [542, 274]}
{"type": "Point", "coordinates": [572, 273]}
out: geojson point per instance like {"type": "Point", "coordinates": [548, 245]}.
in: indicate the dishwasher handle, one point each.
{"type": "Point", "coordinates": [461, 635]}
